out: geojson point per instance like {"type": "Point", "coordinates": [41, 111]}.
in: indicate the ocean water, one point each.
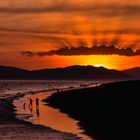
{"type": "Point", "coordinates": [45, 115]}
{"type": "Point", "coordinates": [10, 88]}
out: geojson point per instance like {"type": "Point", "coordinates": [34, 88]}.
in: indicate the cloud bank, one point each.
{"type": "Point", "coordinates": [84, 50]}
{"type": "Point", "coordinates": [46, 25]}
{"type": "Point", "coordinates": [98, 10]}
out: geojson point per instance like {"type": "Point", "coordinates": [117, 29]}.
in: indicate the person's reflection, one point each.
{"type": "Point", "coordinates": [37, 107]}
{"type": "Point", "coordinates": [37, 111]}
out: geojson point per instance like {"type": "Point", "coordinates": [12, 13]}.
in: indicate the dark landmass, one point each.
{"type": "Point", "coordinates": [7, 72]}
{"type": "Point", "coordinates": [14, 129]}
{"type": "Point", "coordinates": [135, 72]}
{"type": "Point", "coordinates": [72, 72]}
{"type": "Point", "coordinates": [108, 112]}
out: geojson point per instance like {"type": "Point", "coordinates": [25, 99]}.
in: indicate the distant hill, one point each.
{"type": "Point", "coordinates": [7, 72]}
{"type": "Point", "coordinates": [72, 72]}
{"type": "Point", "coordinates": [80, 72]}
{"type": "Point", "coordinates": [135, 72]}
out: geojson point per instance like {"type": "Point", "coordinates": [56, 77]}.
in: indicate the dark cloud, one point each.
{"type": "Point", "coordinates": [84, 50]}
{"type": "Point", "coordinates": [104, 9]}
{"type": "Point", "coordinates": [28, 53]}
{"type": "Point", "coordinates": [65, 32]}
{"type": "Point", "coordinates": [31, 54]}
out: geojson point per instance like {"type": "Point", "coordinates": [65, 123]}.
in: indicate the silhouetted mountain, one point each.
{"type": "Point", "coordinates": [80, 72]}
{"type": "Point", "coordinates": [72, 72]}
{"type": "Point", "coordinates": [7, 72]}
{"type": "Point", "coordinates": [135, 72]}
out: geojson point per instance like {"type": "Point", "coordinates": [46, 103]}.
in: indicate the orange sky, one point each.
{"type": "Point", "coordinates": [40, 25]}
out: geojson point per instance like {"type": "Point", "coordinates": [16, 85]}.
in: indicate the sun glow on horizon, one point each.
{"type": "Point", "coordinates": [99, 65]}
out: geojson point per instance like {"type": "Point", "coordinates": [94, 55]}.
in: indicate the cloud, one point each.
{"type": "Point", "coordinates": [102, 9]}
{"type": "Point", "coordinates": [28, 53]}
{"type": "Point", "coordinates": [84, 50]}
{"type": "Point", "coordinates": [1, 53]}
{"type": "Point", "coordinates": [31, 54]}
{"type": "Point", "coordinates": [29, 24]}
{"type": "Point", "coordinates": [65, 32]}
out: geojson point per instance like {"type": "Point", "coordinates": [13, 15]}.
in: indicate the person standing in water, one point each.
{"type": "Point", "coordinates": [31, 104]}
{"type": "Point", "coordinates": [37, 102]}
{"type": "Point", "coordinates": [37, 107]}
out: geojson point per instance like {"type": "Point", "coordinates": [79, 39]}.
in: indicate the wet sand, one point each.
{"type": "Point", "coordinates": [47, 116]}
{"type": "Point", "coordinates": [108, 112]}
{"type": "Point", "coordinates": [13, 129]}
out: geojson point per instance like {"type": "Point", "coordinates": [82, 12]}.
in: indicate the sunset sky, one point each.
{"type": "Point", "coordinates": [32, 27]}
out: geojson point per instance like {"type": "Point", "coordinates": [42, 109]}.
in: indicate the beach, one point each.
{"type": "Point", "coordinates": [11, 127]}
{"type": "Point", "coordinates": [105, 112]}
{"type": "Point", "coordinates": [69, 70]}
{"type": "Point", "coordinates": [108, 112]}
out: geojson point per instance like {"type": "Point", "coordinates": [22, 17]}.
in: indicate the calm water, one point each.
{"type": "Point", "coordinates": [48, 116]}
{"type": "Point", "coordinates": [44, 115]}
{"type": "Point", "coordinates": [13, 87]}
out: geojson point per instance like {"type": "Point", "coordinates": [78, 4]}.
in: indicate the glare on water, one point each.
{"type": "Point", "coordinates": [48, 116]}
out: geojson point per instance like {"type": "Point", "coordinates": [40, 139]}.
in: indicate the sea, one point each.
{"type": "Point", "coordinates": [14, 87]}
{"type": "Point", "coordinates": [45, 115]}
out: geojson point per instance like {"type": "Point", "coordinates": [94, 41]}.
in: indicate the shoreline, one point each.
{"type": "Point", "coordinates": [21, 130]}
{"type": "Point", "coordinates": [107, 112]}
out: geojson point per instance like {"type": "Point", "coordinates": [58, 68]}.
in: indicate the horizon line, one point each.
{"type": "Point", "coordinates": [66, 67]}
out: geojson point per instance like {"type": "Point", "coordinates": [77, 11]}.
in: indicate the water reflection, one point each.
{"type": "Point", "coordinates": [37, 111]}
{"type": "Point", "coordinates": [48, 116]}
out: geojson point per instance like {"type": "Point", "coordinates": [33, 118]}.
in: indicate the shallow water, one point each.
{"type": "Point", "coordinates": [44, 115]}
{"type": "Point", "coordinates": [13, 87]}
{"type": "Point", "coordinates": [47, 116]}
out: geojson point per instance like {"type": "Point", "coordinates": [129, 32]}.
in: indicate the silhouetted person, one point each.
{"type": "Point", "coordinates": [37, 102]}
{"type": "Point", "coordinates": [37, 107]}
{"type": "Point", "coordinates": [37, 111]}
{"type": "Point", "coordinates": [24, 105]}
{"type": "Point", "coordinates": [30, 104]}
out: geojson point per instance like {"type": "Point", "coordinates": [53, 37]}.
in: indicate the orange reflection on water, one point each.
{"type": "Point", "coordinates": [47, 116]}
